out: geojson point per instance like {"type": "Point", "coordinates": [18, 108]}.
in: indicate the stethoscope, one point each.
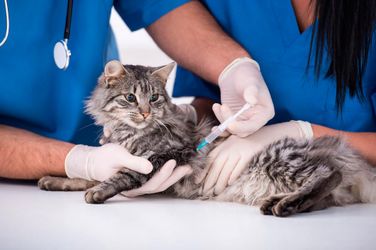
{"type": "Point", "coordinates": [7, 26]}
{"type": "Point", "coordinates": [62, 53]}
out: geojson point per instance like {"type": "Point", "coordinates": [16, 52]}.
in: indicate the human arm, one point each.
{"type": "Point", "coordinates": [364, 142]}
{"type": "Point", "coordinates": [192, 37]}
{"type": "Point", "coordinates": [26, 155]}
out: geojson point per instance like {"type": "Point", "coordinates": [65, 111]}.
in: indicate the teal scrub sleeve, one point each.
{"type": "Point", "coordinates": [141, 13]}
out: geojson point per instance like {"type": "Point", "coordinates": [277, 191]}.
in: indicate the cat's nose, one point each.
{"type": "Point", "coordinates": [145, 114]}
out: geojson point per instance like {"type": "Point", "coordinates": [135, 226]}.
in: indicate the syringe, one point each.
{"type": "Point", "coordinates": [221, 128]}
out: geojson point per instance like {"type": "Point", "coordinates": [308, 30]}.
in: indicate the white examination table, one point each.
{"type": "Point", "coordinates": [35, 219]}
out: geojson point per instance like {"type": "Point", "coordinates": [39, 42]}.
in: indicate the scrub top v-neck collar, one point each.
{"type": "Point", "coordinates": [287, 22]}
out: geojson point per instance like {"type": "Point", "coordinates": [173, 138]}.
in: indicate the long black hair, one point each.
{"type": "Point", "coordinates": [344, 29]}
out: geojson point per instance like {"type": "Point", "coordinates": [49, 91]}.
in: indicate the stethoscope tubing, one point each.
{"type": "Point", "coordinates": [7, 23]}
{"type": "Point", "coordinates": [68, 19]}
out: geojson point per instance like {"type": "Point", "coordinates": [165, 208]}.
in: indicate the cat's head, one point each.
{"type": "Point", "coordinates": [131, 95]}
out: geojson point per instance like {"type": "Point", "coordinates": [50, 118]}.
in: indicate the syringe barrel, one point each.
{"type": "Point", "coordinates": [213, 135]}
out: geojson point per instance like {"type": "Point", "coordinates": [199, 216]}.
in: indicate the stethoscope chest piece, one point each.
{"type": "Point", "coordinates": [62, 54]}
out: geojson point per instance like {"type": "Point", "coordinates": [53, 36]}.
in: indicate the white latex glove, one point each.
{"type": "Point", "coordinates": [228, 160]}
{"type": "Point", "coordinates": [100, 163]}
{"type": "Point", "coordinates": [167, 176]}
{"type": "Point", "coordinates": [241, 82]}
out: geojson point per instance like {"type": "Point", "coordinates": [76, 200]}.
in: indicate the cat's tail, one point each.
{"type": "Point", "coordinates": [359, 175]}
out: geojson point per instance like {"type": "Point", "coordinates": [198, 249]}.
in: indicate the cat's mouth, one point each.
{"type": "Point", "coordinates": [140, 122]}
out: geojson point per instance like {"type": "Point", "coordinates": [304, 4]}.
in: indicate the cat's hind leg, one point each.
{"type": "Point", "coordinates": [305, 198]}
{"type": "Point", "coordinates": [51, 183]}
{"type": "Point", "coordinates": [326, 202]}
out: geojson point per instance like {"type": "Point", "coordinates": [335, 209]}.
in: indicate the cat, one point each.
{"type": "Point", "coordinates": [288, 176]}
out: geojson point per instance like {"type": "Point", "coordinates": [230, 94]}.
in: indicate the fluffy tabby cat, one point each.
{"type": "Point", "coordinates": [289, 176]}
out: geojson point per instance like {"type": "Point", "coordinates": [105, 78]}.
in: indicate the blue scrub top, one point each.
{"type": "Point", "coordinates": [268, 30]}
{"type": "Point", "coordinates": [36, 95]}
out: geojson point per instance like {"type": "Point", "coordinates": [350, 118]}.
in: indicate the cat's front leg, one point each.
{"type": "Point", "coordinates": [123, 180]}
{"type": "Point", "coordinates": [51, 183]}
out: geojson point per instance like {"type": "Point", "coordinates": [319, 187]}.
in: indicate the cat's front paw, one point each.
{"type": "Point", "coordinates": [106, 135]}
{"type": "Point", "coordinates": [49, 183]}
{"type": "Point", "coordinates": [95, 195]}
{"type": "Point", "coordinates": [104, 140]}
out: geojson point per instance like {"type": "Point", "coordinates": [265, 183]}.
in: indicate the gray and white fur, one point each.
{"type": "Point", "coordinates": [287, 177]}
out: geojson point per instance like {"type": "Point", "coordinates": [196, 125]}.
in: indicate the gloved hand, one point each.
{"type": "Point", "coordinates": [241, 82]}
{"type": "Point", "coordinates": [167, 176]}
{"type": "Point", "coordinates": [100, 163]}
{"type": "Point", "coordinates": [228, 160]}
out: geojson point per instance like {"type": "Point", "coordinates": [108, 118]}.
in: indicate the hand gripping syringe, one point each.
{"type": "Point", "coordinates": [221, 128]}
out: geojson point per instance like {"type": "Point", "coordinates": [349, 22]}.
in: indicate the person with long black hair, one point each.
{"type": "Point", "coordinates": [318, 61]}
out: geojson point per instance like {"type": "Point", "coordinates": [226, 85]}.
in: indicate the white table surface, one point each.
{"type": "Point", "coordinates": [35, 219]}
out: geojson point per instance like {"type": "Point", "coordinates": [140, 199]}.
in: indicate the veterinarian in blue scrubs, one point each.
{"type": "Point", "coordinates": [270, 33]}
{"type": "Point", "coordinates": [268, 30]}
{"type": "Point", "coordinates": [37, 96]}
{"type": "Point", "coordinates": [41, 106]}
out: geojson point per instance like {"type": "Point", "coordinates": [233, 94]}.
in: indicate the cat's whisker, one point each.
{"type": "Point", "coordinates": [163, 125]}
{"type": "Point", "coordinates": [100, 133]}
{"type": "Point", "coordinates": [172, 125]}
{"type": "Point", "coordinates": [158, 126]}
{"type": "Point", "coordinates": [88, 125]}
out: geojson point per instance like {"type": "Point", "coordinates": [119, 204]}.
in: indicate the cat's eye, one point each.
{"type": "Point", "coordinates": [130, 98]}
{"type": "Point", "coordinates": [154, 97]}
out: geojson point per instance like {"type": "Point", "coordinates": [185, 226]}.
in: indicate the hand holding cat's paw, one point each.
{"type": "Point", "coordinates": [167, 176]}
{"type": "Point", "coordinates": [100, 163]}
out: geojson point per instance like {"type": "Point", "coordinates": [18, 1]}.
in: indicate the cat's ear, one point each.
{"type": "Point", "coordinates": [164, 71]}
{"type": "Point", "coordinates": [112, 72]}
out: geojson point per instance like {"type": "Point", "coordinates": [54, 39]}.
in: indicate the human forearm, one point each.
{"type": "Point", "coordinates": [25, 155]}
{"type": "Point", "coordinates": [191, 36]}
{"type": "Point", "coordinates": [362, 141]}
